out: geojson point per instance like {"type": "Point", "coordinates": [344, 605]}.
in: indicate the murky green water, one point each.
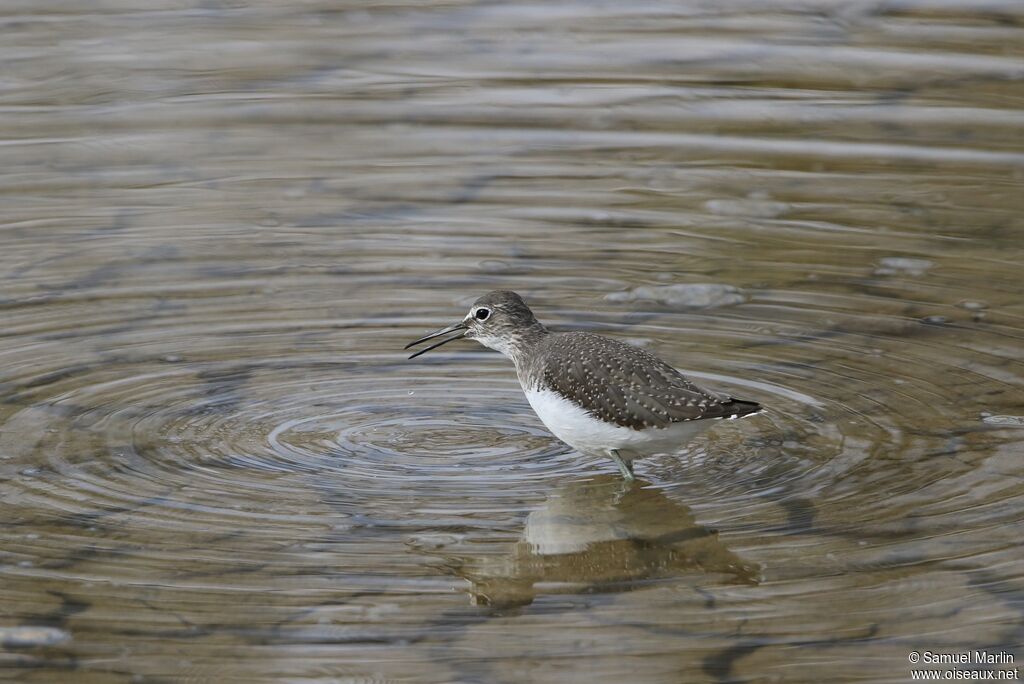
{"type": "Point", "coordinates": [222, 221]}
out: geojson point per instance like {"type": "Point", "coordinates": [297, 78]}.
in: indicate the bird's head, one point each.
{"type": "Point", "coordinates": [500, 320]}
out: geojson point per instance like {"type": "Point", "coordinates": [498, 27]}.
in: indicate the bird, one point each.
{"type": "Point", "coordinates": [602, 397]}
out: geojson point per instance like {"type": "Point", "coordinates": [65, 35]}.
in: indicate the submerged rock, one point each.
{"type": "Point", "coordinates": [682, 295]}
{"type": "Point", "coordinates": [903, 266]}
{"type": "Point", "coordinates": [1004, 421]}
{"type": "Point", "coordinates": [29, 637]}
{"type": "Point", "coordinates": [750, 208]}
{"type": "Point", "coordinates": [432, 541]}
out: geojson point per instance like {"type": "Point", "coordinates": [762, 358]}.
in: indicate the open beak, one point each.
{"type": "Point", "coordinates": [459, 327]}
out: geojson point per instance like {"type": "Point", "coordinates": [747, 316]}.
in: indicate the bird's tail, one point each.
{"type": "Point", "coordinates": [737, 408]}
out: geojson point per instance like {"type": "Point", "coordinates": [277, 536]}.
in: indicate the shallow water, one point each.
{"type": "Point", "coordinates": [222, 221]}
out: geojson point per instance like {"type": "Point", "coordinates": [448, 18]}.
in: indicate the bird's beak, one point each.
{"type": "Point", "coordinates": [459, 327]}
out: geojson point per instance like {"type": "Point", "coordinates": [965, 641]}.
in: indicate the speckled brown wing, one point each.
{"type": "Point", "coordinates": [626, 385]}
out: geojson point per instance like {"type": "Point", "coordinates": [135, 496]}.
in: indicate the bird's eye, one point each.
{"type": "Point", "coordinates": [482, 314]}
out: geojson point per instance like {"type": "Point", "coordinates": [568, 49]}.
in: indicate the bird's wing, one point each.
{"type": "Point", "coordinates": [628, 386]}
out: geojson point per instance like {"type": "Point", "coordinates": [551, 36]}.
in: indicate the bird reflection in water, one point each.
{"type": "Point", "coordinates": [602, 535]}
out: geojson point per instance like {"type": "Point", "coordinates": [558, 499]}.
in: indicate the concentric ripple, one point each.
{"type": "Point", "coordinates": [226, 433]}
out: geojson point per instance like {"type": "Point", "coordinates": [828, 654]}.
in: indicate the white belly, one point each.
{"type": "Point", "coordinates": [577, 428]}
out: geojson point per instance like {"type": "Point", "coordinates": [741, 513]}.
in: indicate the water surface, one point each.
{"type": "Point", "coordinates": [222, 221]}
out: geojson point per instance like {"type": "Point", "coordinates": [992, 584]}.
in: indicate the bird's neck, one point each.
{"type": "Point", "coordinates": [517, 345]}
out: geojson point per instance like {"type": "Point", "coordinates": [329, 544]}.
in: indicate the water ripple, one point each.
{"type": "Point", "coordinates": [215, 461]}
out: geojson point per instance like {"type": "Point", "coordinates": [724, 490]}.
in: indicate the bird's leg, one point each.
{"type": "Point", "coordinates": [625, 467]}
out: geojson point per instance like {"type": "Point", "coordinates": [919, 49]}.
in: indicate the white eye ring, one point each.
{"type": "Point", "coordinates": [482, 314]}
